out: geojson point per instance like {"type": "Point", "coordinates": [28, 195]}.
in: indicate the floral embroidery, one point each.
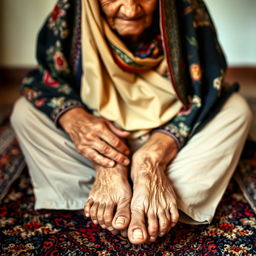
{"type": "Point", "coordinates": [57, 19]}
{"type": "Point", "coordinates": [56, 102]}
{"type": "Point", "coordinates": [28, 80]}
{"type": "Point", "coordinates": [217, 83]}
{"type": "Point", "coordinates": [197, 101]}
{"type": "Point", "coordinates": [48, 80]}
{"type": "Point", "coordinates": [40, 102]}
{"type": "Point", "coordinates": [59, 61]}
{"type": "Point", "coordinates": [65, 89]}
{"type": "Point", "coordinates": [195, 71]}
{"type": "Point", "coordinates": [183, 129]}
{"type": "Point", "coordinates": [31, 93]}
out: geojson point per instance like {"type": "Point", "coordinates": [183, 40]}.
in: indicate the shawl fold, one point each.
{"type": "Point", "coordinates": [195, 61]}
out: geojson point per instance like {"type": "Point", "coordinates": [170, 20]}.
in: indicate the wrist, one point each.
{"type": "Point", "coordinates": [67, 119]}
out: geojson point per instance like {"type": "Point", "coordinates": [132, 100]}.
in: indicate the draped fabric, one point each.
{"type": "Point", "coordinates": [138, 100]}
{"type": "Point", "coordinates": [196, 64]}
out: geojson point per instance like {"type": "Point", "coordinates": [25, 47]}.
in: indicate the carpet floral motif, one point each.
{"type": "Point", "coordinates": [24, 231]}
{"type": "Point", "coordinates": [11, 159]}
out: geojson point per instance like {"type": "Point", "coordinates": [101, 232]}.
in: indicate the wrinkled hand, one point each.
{"type": "Point", "coordinates": [153, 207]}
{"type": "Point", "coordinates": [95, 138]}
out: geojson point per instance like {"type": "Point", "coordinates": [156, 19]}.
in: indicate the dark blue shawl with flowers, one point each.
{"type": "Point", "coordinates": [195, 61]}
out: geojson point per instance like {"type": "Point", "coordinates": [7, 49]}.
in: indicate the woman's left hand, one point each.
{"type": "Point", "coordinates": [153, 207]}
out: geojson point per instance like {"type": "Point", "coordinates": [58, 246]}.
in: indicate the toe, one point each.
{"type": "Point", "coordinates": [100, 215]}
{"type": "Point", "coordinates": [164, 223]}
{"type": "Point", "coordinates": [137, 231]}
{"type": "Point", "coordinates": [93, 212]}
{"type": "Point", "coordinates": [152, 226]}
{"type": "Point", "coordinates": [108, 214]}
{"type": "Point", "coordinates": [87, 207]}
{"type": "Point", "coordinates": [122, 216]}
{"type": "Point", "coordinates": [174, 215]}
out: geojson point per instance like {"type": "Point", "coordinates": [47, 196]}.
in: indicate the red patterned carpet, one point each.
{"type": "Point", "coordinates": [24, 231]}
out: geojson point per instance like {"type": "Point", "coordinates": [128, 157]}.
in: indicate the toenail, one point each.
{"type": "Point", "coordinates": [126, 162]}
{"type": "Point", "coordinates": [120, 221]}
{"type": "Point", "coordinates": [110, 229]}
{"type": "Point", "coordinates": [152, 238]}
{"type": "Point", "coordinates": [103, 226]}
{"type": "Point", "coordinates": [137, 234]}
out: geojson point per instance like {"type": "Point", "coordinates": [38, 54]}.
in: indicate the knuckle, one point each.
{"type": "Point", "coordinates": [89, 137]}
{"type": "Point", "coordinates": [105, 149]}
{"type": "Point", "coordinates": [99, 126]}
{"type": "Point", "coordinates": [116, 143]}
{"type": "Point", "coordinates": [117, 157]}
{"type": "Point", "coordinates": [80, 149]}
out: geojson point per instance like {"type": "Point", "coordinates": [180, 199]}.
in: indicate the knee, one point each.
{"type": "Point", "coordinates": [20, 114]}
{"type": "Point", "coordinates": [241, 111]}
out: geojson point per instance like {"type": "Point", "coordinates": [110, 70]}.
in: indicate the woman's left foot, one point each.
{"type": "Point", "coordinates": [153, 207]}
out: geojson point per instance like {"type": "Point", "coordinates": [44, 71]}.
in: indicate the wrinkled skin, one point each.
{"type": "Point", "coordinates": [146, 209]}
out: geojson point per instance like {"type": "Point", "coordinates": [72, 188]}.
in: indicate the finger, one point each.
{"type": "Point", "coordinates": [106, 150]}
{"type": "Point", "coordinates": [115, 142]}
{"type": "Point", "coordinates": [117, 131]}
{"type": "Point", "coordinates": [97, 158]}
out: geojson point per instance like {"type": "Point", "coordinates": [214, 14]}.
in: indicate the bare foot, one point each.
{"type": "Point", "coordinates": [153, 207]}
{"type": "Point", "coordinates": [109, 200]}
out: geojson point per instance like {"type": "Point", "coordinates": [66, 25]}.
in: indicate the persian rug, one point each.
{"type": "Point", "coordinates": [11, 159]}
{"type": "Point", "coordinates": [24, 231]}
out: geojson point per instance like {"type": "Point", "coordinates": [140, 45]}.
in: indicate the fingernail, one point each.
{"type": "Point", "coordinates": [111, 164]}
{"type": "Point", "coordinates": [126, 162]}
{"type": "Point", "coordinates": [103, 226]}
{"type": "Point", "coordinates": [95, 222]}
{"type": "Point", "coordinates": [120, 221]}
{"type": "Point", "coordinates": [110, 229]}
{"type": "Point", "coordinates": [127, 152]}
{"type": "Point", "coordinates": [137, 234]}
{"type": "Point", "coordinates": [87, 215]}
{"type": "Point", "coordinates": [161, 234]}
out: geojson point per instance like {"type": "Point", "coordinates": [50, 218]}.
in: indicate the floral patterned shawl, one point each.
{"type": "Point", "coordinates": [195, 61]}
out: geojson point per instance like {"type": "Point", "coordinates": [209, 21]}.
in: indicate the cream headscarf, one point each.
{"type": "Point", "coordinates": [137, 102]}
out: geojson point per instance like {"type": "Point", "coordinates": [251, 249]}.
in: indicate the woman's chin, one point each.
{"type": "Point", "coordinates": [132, 35]}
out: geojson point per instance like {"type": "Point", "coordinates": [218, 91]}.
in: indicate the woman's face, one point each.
{"type": "Point", "coordinates": [129, 17]}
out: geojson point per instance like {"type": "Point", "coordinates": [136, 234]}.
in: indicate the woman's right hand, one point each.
{"type": "Point", "coordinates": [96, 138]}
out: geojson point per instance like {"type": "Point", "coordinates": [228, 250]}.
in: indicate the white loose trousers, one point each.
{"type": "Point", "coordinates": [200, 173]}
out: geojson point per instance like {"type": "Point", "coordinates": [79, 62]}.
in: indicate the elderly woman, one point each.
{"type": "Point", "coordinates": [128, 116]}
